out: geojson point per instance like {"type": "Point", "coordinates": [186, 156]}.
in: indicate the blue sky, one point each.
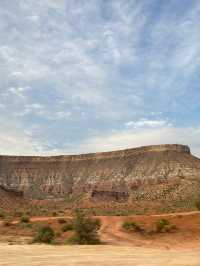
{"type": "Point", "coordinates": [84, 76]}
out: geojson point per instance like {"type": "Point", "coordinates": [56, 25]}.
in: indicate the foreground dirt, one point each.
{"type": "Point", "coordinates": [39, 255]}
{"type": "Point", "coordinates": [187, 235]}
{"type": "Point", "coordinates": [180, 248]}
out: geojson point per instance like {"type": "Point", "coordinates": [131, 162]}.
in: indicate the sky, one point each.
{"type": "Point", "coordinates": [86, 76]}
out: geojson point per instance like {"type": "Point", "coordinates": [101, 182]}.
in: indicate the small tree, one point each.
{"type": "Point", "coordinates": [45, 234]}
{"type": "Point", "coordinates": [86, 230]}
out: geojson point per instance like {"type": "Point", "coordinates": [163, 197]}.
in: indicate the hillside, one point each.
{"type": "Point", "coordinates": [153, 175]}
{"type": "Point", "coordinates": [10, 200]}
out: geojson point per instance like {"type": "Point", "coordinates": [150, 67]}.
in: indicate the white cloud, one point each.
{"type": "Point", "coordinates": [108, 62]}
{"type": "Point", "coordinates": [131, 138]}
{"type": "Point", "coordinates": [145, 123]}
{"type": "Point", "coordinates": [15, 141]}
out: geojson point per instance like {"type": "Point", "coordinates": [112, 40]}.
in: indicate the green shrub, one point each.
{"type": "Point", "coordinates": [197, 203]}
{"type": "Point", "coordinates": [67, 227]}
{"type": "Point", "coordinates": [164, 225]}
{"type": "Point", "coordinates": [2, 214]}
{"type": "Point", "coordinates": [86, 230]}
{"type": "Point", "coordinates": [18, 213]}
{"type": "Point", "coordinates": [27, 225]}
{"type": "Point", "coordinates": [131, 226]}
{"type": "Point", "coordinates": [25, 219]}
{"type": "Point", "coordinates": [45, 234]}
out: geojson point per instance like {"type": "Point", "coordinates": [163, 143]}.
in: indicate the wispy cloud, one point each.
{"type": "Point", "coordinates": [81, 69]}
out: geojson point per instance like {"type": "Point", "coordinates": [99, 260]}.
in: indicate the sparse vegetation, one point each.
{"type": "Point", "coordinates": [25, 219]}
{"type": "Point", "coordinates": [131, 226]}
{"type": "Point", "coordinates": [86, 230]}
{"type": "Point", "coordinates": [164, 225]}
{"type": "Point", "coordinates": [67, 227]}
{"type": "Point", "coordinates": [197, 204]}
{"type": "Point", "coordinates": [45, 234]}
{"type": "Point", "coordinates": [2, 214]}
{"type": "Point", "coordinates": [27, 225]}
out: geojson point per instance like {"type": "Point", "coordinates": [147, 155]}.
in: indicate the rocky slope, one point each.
{"type": "Point", "coordinates": [153, 173]}
{"type": "Point", "coordinates": [10, 199]}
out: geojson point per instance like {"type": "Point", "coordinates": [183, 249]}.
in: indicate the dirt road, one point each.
{"type": "Point", "coordinates": [39, 255]}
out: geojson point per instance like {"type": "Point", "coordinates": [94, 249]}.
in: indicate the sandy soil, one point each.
{"type": "Point", "coordinates": [39, 255]}
{"type": "Point", "coordinates": [181, 248]}
{"type": "Point", "coordinates": [187, 235]}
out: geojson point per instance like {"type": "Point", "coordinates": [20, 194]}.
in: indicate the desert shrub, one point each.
{"type": "Point", "coordinates": [62, 221]}
{"type": "Point", "coordinates": [67, 227]}
{"type": "Point", "coordinates": [25, 219]}
{"type": "Point", "coordinates": [27, 225]}
{"type": "Point", "coordinates": [18, 213]}
{"type": "Point", "coordinates": [45, 234]}
{"type": "Point", "coordinates": [2, 214]}
{"type": "Point", "coordinates": [197, 204]}
{"type": "Point", "coordinates": [86, 230]}
{"type": "Point", "coordinates": [131, 226]}
{"type": "Point", "coordinates": [164, 225]}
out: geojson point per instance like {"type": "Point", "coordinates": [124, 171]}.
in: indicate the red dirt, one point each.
{"type": "Point", "coordinates": [187, 234]}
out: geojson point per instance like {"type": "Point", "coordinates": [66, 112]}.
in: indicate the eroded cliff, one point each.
{"type": "Point", "coordinates": [146, 173]}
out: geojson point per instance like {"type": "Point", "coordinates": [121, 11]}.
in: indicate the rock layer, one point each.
{"type": "Point", "coordinates": [146, 173]}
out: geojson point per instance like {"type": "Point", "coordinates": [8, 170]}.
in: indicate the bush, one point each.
{"type": "Point", "coordinates": [45, 234]}
{"type": "Point", "coordinates": [197, 203]}
{"type": "Point", "coordinates": [2, 214]}
{"type": "Point", "coordinates": [67, 227]}
{"type": "Point", "coordinates": [86, 230]}
{"type": "Point", "coordinates": [131, 226]}
{"type": "Point", "coordinates": [27, 225]}
{"type": "Point", "coordinates": [25, 219]}
{"type": "Point", "coordinates": [164, 225]}
{"type": "Point", "coordinates": [18, 213]}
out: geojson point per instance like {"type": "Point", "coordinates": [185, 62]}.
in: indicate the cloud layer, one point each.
{"type": "Point", "coordinates": [79, 76]}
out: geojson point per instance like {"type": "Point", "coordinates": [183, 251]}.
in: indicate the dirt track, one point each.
{"type": "Point", "coordinates": [39, 255]}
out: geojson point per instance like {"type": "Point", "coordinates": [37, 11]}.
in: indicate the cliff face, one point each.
{"type": "Point", "coordinates": [146, 173]}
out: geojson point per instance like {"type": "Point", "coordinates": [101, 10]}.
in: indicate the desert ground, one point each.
{"type": "Point", "coordinates": [39, 255]}
{"type": "Point", "coordinates": [181, 247]}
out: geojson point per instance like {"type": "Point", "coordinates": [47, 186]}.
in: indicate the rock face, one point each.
{"type": "Point", "coordinates": [10, 199]}
{"type": "Point", "coordinates": [146, 173]}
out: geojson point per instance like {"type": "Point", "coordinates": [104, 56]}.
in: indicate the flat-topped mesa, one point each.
{"type": "Point", "coordinates": [118, 175]}
{"type": "Point", "coordinates": [101, 155]}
